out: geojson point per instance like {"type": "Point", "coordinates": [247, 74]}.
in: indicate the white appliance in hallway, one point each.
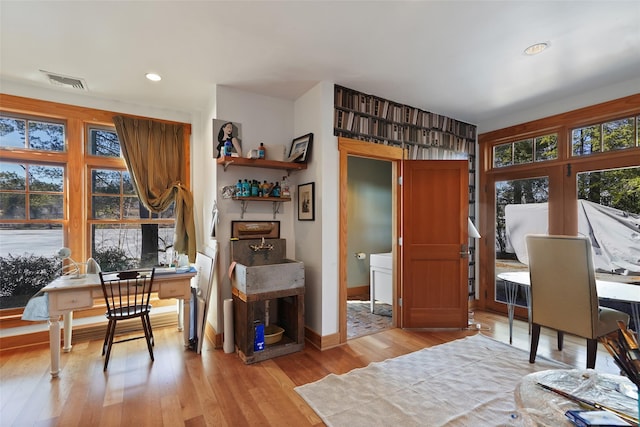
{"type": "Point", "coordinates": [381, 279]}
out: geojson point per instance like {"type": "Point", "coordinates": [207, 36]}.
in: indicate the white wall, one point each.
{"type": "Point", "coordinates": [369, 215]}
{"type": "Point", "coordinates": [590, 96]}
{"type": "Point", "coordinates": [317, 241]}
{"type": "Point", "coordinates": [276, 122]}
{"type": "Point", "coordinates": [203, 181]}
{"type": "Point", "coordinates": [330, 210]}
{"type": "Point", "coordinates": [263, 119]}
{"type": "Point", "coordinates": [82, 99]}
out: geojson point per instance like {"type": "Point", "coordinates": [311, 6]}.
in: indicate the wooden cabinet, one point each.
{"type": "Point", "coordinates": [65, 301]}
{"type": "Point", "coordinates": [284, 308]}
{"type": "Point", "coordinates": [173, 289]}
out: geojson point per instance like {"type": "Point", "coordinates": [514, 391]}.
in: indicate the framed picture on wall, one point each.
{"type": "Point", "coordinates": [306, 202]}
{"type": "Point", "coordinates": [300, 150]}
{"type": "Point", "coordinates": [223, 131]}
{"type": "Point", "coordinates": [255, 229]}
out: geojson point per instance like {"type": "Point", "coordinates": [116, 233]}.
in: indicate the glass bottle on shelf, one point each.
{"type": "Point", "coordinates": [275, 190]}
{"type": "Point", "coordinates": [246, 189]}
{"type": "Point", "coordinates": [239, 188]}
{"type": "Point", "coordinates": [266, 189]}
{"type": "Point", "coordinates": [227, 148]}
{"type": "Point", "coordinates": [284, 187]}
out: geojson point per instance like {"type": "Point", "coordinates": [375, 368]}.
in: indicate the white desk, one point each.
{"type": "Point", "coordinates": [615, 291]}
{"type": "Point", "coordinates": [67, 294]}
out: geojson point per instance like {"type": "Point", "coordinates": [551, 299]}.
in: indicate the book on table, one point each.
{"type": "Point", "coordinates": [586, 418]}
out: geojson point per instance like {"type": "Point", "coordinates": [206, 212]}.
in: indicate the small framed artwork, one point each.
{"type": "Point", "coordinates": [300, 150]}
{"type": "Point", "coordinates": [306, 202]}
{"type": "Point", "coordinates": [224, 131]}
{"type": "Point", "coordinates": [255, 229]}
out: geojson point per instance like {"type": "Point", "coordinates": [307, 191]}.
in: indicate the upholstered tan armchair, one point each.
{"type": "Point", "coordinates": [563, 292]}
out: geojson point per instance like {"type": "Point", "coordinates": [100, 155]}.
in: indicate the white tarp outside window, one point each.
{"type": "Point", "coordinates": [614, 234]}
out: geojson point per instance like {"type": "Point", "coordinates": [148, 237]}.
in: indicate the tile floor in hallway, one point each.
{"type": "Point", "coordinates": [360, 320]}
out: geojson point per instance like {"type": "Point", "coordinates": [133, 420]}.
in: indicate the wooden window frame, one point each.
{"type": "Point", "coordinates": [564, 220]}
{"type": "Point", "coordinates": [77, 163]}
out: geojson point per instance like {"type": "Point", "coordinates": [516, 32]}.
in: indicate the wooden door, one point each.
{"type": "Point", "coordinates": [434, 244]}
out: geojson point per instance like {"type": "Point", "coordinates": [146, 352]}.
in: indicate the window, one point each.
{"type": "Point", "coordinates": [124, 234]}
{"type": "Point", "coordinates": [32, 134]}
{"type": "Point", "coordinates": [112, 195]}
{"type": "Point", "coordinates": [614, 135]}
{"type": "Point", "coordinates": [529, 150]}
{"type": "Point", "coordinates": [32, 210]}
{"type": "Point", "coordinates": [63, 182]}
{"type": "Point", "coordinates": [103, 142]}
{"type": "Point", "coordinates": [616, 188]}
{"type": "Point", "coordinates": [521, 207]}
{"type": "Point", "coordinates": [595, 168]}
{"type": "Point", "coordinates": [29, 191]}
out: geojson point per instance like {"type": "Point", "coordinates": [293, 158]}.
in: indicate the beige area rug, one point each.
{"type": "Point", "coordinates": [467, 382]}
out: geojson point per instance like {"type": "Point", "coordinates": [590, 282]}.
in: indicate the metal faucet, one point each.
{"type": "Point", "coordinates": [262, 246]}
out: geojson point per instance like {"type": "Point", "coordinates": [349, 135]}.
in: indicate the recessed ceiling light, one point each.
{"type": "Point", "coordinates": [153, 77]}
{"type": "Point", "coordinates": [535, 49]}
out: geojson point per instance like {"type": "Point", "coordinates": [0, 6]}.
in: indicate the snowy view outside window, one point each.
{"type": "Point", "coordinates": [122, 233]}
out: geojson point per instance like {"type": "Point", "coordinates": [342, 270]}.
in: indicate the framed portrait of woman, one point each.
{"type": "Point", "coordinates": [223, 131]}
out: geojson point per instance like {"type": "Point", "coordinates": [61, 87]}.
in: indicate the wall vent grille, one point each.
{"type": "Point", "coordinates": [66, 81]}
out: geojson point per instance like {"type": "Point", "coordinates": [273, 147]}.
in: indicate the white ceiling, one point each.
{"type": "Point", "coordinates": [463, 59]}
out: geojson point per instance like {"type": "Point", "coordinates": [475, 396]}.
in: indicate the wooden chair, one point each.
{"type": "Point", "coordinates": [564, 296]}
{"type": "Point", "coordinates": [127, 295]}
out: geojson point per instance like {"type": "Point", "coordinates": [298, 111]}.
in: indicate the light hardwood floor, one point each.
{"type": "Point", "coordinates": [215, 389]}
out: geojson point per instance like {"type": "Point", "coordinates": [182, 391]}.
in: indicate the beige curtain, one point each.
{"type": "Point", "coordinates": [154, 154]}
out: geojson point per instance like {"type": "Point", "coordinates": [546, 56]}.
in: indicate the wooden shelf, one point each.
{"type": "Point", "coordinates": [277, 202]}
{"type": "Point", "coordinates": [264, 164]}
{"type": "Point", "coordinates": [263, 199]}
{"type": "Point", "coordinates": [371, 115]}
{"type": "Point", "coordinates": [259, 163]}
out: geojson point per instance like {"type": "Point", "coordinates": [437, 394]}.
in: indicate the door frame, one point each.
{"type": "Point", "coordinates": [351, 147]}
{"type": "Point", "coordinates": [488, 201]}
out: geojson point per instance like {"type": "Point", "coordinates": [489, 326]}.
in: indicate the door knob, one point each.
{"type": "Point", "coordinates": [464, 251]}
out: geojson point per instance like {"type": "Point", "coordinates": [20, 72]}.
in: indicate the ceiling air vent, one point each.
{"type": "Point", "coordinates": [65, 81]}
